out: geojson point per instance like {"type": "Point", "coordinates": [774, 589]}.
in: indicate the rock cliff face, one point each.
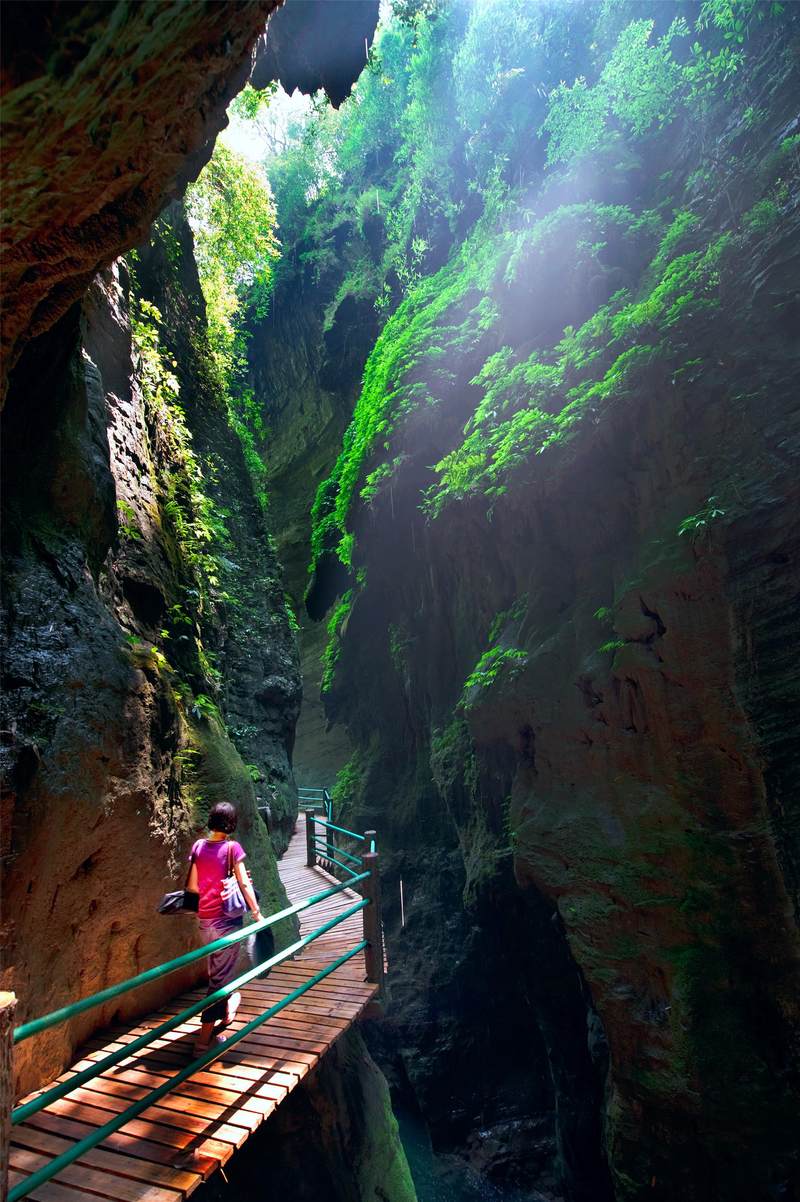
{"type": "Point", "coordinates": [109, 111]}
{"type": "Point", "coordinates": [255, 645]}
{"type": "Point", "coordinates": [124, 648]}
{"type": "Point", "coordinates": [571, 695]}
{"type": "Point", "coordinates": [306, 378]}
{"type": "Point", "coordinates": [121, 654]}
{"type": "Point", "coordinates": [119, 106]}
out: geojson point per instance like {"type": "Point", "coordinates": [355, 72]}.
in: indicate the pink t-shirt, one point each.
{"type": "Point", "coordinates": [214, 858]}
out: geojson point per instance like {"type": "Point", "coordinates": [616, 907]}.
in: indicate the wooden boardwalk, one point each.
{"type": "Point", "coordinates": [165, 1153]}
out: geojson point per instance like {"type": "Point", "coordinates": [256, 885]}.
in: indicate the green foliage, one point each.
{"type": "Point", "coordinates": [426, 198]}
{"type": "Point", "coordinates": [232, 214]}
{"type": "Point", "coordinates": [638, 88]}
{"type": "Point", "coordinates": [508, 618]}
{"type": "Point", "coordinates": [196, 528]}
{"type": "Point", "coordinates": [643, 83]}
{"type": "Point", "coordinates": [611, 646]}
{"type": "Point", "coordinates": [203, 707]}
{"type": "Point", "coordinates": [251, 102]}
{"type": "Point", "coordinates": [346, 791]}
{"type": "Point", "coordinates": [762, 217]}
{"type": "Point", "coordinates": [146, 655]}
{"type": "Point", "coordinates": [291, 615]}
{"type": "Point", "coordinates": [453, 761]}
{"type": "Point", "coordinates": [128, 526]}
{"type": "Point", "coordinates": [697, 524]}
{"type": "Point", "coordinates": [333, 647]}
{"type": "Point", "coordinates": [735, 17]}
{"type": "Point", "coordinates": [505, 662]}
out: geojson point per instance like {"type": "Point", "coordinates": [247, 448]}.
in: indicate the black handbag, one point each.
{"type": "Point", "coordinates": [178, 902]}
{"type": "Point", "coordinates": [182, 900]}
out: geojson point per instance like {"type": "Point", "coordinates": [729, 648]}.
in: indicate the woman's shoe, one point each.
{"type": "Point", "coordinates": [200, 1047]}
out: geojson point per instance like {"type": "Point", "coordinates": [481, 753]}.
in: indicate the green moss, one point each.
{"type": "Point", "coordinates": [452, 759]}
{"type": "Point", "coordinates": [498, 662]}
{"type": "Point", "coordinates": [333, 648]}
{"type": "Point", "coordinates": [763, 216]}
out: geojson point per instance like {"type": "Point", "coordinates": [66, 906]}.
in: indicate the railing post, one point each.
{"type": "Point", "coordinates": [373, 925]}
{"type": "Point", "coordinates": [8, 1005]}
{"type": "Point", "coordinates": [311, 852]}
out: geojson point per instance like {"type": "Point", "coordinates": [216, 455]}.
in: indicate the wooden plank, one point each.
{"type": "Point", "coordinates": [156, 1123]}
{"type": "Point", "coordinates": [176, 1105]}
{"type": "Point", "coordinates": [231, 1098]}
{"type": "Point", "coordinates": [164, 1051]}
{"type": "Point", "coordinates": [35, 1140]}
{"type": "Point", "coordinates": [51, 1191]}
{"type": "Point", "coordinates": [94, 1181]}
{"type": "Point", "coordinates": [164, 1153]}
{"type": "Point", "coordinates": [138, 1146]}
{"type": "Point", "coordinates": [215, 1147]}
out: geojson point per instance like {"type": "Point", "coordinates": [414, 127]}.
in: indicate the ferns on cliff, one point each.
{"type": "Point", "coordinates": [469, 193]}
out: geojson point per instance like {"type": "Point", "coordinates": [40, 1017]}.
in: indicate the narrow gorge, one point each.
{"type": "Point", "coordinates": [402, 401]}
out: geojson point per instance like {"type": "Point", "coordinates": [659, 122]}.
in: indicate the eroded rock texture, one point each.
{"type": "Point", "coordinates": [117, 664]}
{"type": "Point", "coordinates": [111, 755]}
{"type": "Point", "coordinates": [260, 689]}
{"type": "Point", "coordinates": [306, 379]}
{"type": "Point", "coordinates": [573, 699]}
{"type": "Point", "coordinates": [108, 111]}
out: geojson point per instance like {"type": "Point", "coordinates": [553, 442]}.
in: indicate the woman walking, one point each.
{"type": "Point", "coordinates": [212, 860]}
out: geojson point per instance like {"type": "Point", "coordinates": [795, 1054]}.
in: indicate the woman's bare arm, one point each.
{"type": "Point", "coordinates": [245, 884]}
{"type": "Point", "coordinates": [192, 885]}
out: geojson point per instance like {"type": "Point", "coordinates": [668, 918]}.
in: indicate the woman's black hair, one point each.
{"type": "Point", "coordinates": [223, 817]}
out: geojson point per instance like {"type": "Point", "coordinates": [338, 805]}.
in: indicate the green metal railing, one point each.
{"type": "Point", "coordinates": [341, 829]}
{"type": "Point", "coordinates": [323, 847]}
{"type": "Point", "coordinates": [321, 799]}
{"type": "Point", "coordinates": [360, 870]}
{"type": "Point", "coordinates": [96, 1137]}
{"type": "Point", "coordinates": [329, 853]}
{"type": "Point", "coordinates": [161, 970]}
{"type": "Point", "coordinates": [64, 1087]}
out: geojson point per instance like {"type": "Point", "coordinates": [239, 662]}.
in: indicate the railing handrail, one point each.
{"type": "Point", "coordinates": [327, 855]}
{"type": "Point", "coordinates": [338, 850]}
{"type": "Point", "coordinates": [330, 858]}
{"type": "Point", "coordinates": [99, 1066]}
{"type": "Point", "coordinates": [100, 1133]}
{"type": "Point", "coordinates": [371, 945]}
{"type": "Point", "coordinates": [341, 829]}
{"type": "Point", "coordinates": [26, 1030]}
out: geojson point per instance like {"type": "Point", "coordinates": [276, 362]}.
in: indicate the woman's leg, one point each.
{"type": "Point", "coordinates": [221, 969]}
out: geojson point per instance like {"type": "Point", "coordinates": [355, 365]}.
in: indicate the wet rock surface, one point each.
{"type": "Point", "coordinates": [635, 775]}
{"type": "Point", "coordinates": [108, 771]}
{"type": "Point", "coordinates": [109, 111]}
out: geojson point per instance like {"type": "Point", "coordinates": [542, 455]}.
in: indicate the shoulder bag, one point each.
{"type": "Point", "coordinates": [182, 900]}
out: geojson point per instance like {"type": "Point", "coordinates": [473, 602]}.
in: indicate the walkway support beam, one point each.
{"type": "Point", "coordinates": [311, 851]}
{"type": "Point", "coordinates": [373, 923]}
{"type": "Point", "coordinates": [8, 1005]}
